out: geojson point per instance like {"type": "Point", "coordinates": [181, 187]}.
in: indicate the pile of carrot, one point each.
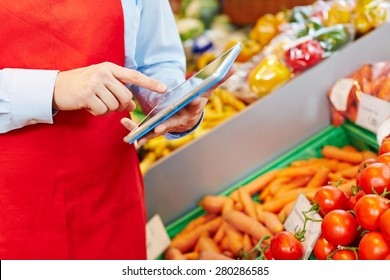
{"type": "Point", "coordinates": [233, 224]}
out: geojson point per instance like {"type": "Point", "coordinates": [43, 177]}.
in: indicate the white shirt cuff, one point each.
{"type": "Point", "coordinates": [31, 95]}
{"type": "Point", "coordinates": [383, 131]}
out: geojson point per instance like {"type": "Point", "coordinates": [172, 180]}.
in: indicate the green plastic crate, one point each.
{"type": "Point", "coordinates": [347, 134]}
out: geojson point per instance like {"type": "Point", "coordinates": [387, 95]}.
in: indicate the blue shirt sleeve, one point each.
{"type": "Point", "coordinates": [159, 53]}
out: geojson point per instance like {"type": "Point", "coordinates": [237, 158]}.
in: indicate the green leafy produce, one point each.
{"type": "Point", "coordinates": [189, 28]}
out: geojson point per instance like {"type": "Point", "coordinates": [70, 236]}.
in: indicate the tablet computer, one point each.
{"type": "Point", "coordinates": [178, 97]}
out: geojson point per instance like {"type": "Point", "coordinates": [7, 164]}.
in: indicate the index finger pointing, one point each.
{"type": "Point", "coordinates": [137, 78]}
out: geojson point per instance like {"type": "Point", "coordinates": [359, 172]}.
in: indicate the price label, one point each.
{"type": "Point", "coordinates": [295, 221]}
{"type": "Point", "coordinates": [340, 92]}
{"type": "Point", "coordinates": [157, 239]}
{"type": "Point", "coordinates": [372, 112]}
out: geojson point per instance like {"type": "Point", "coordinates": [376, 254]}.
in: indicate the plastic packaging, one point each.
{"type": "Point", "coordinates": [269, 74]}
{"type": "Point", "coordinates": [304, 55]}
{"type": "Point", "coordinates": [362, 97]}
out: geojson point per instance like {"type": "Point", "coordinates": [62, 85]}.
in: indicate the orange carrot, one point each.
{"type": "Point", "coordinates": [247, 202]}
{"type": "Point", "coordinates": [224, 246]}
{"type": "Point", "coordinates": [369, 154]}
{"type": "Point", "coordinates": [259, 183]}
{"type": "Point", "coordinates": [246, 224]}
{"type": "Point", "coordinates": [298, 163]}
{"type": "Point", "coordinates": [343, 165]}
{"type": "Point", "coordinates": [340, 154]}
{"type": "Point", "coordinates": [192, 256]}
{"type": "Point", "coordinates": [350, 148]}
{"type": "Point", "coordinates": [247, 243]}
{"type": "Point", "coordinates": [205, 243]}
{"type": "Point", "coordinates": [270, 220]}
{"type": "Point", "coordinates": [264, 193]}
{"type": "Point", "coordinates": [220, 233]}
{"type": "Point", "coordinates": [277, 204]}
{"type": "Point", "coordinates": [332, 164]}
{"type": "Point", "coordinates": [212, 256]}
{"type": "Point", "coordinates": [187, 240]}
{"type": "Point", "coordinates": [346, 187]}
{"type": "Point", "coordinates": [273, 185]}
{"type": "Point", "coordinates": [228, 205]}
{"type": "Point", "coordinates": [349, 172]}
{"type": "Point", "coordinates": [238, 206]}
{"type": "Point", "coordinates": [213, 203]}
{"type": "Point", "coordinates": [235, 239]}
{"type": "Point", "coordinates": [228, 254]}
{"type": "Point", "coordinates": [173, 254]}
{"type": "Point", "coordinates": [297, 171]}
{"type": "Point", "coordinates": [234, 196]}
{"type": "Point", "coordinates": [283, 214]}
{"type": "Point", "coordinates": [334, 177]}
{"type": "Point", "coordinates": [198, 221]}
{"type": "Point", "coordinates": [320, 178]}
{"type": "Point", "coordinates": [296, 183]}
{"type": "Point", "coordinates": [203, 234]}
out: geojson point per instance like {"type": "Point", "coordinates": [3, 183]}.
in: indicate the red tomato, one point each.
{"type": "Point", "coordinates": [385, 146]}
{"type": "Point", "coordinates": [388, 257]}
{"type": "Point", "coordinates": [284, 246]}
{"type": "Point", "coordinates": [368, 210]}
{"type": "Point", "coordinates": [384, 158]}
{"type": "Point", "coordinates": [323, 248]}
{"type": "Point", "coordinates": [377, 176]}
{"type": "Point", "coordinates": [373, 246]}
{"type": "Point", "coordinates": [354, 199]}
{"type": "Point", "coordinates": [330, 198]}
{"type": "Point", "coordinates": [362, 166]}
{"type": "Point", "coordinates": [339, 227]}
{"type": "Point", "coordinates": [344, 255]}
{"type": "Point", "coordinates": [267, 254]}
{"type": "Point", "coordinates": [384, 224]}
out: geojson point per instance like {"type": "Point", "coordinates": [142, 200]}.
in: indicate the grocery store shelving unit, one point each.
{"type": "Point", "coordinates": [263, 131]}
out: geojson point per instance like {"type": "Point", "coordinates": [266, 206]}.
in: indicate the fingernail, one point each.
{"type": "Point", "coordinates": [161, 87]}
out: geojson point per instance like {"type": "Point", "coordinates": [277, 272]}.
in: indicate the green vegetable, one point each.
{"type": "Point", "coordinates": [300, 14]}
{"type": "Point", "coordinates": [310, 28]}
{"type": "Point", "coordinates": [204, 10]}
{"type": "Point", "coordinates": [332, 38]}
{"type": "Point", "coordinates": [189, 28]}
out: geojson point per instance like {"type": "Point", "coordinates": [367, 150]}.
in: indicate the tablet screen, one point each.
{"type": "Point", "coordinates": [173, 96]}
{"type": "Point", "coordinates": [179, 96]}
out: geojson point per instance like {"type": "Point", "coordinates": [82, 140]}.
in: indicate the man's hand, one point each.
{"type": "Point", "coordinates": [100, 89]}
{"type": "Point", "coordinates": [183, 120]}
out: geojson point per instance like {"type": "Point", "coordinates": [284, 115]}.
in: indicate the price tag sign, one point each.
{"type": "Point", "coordinates": [295, 220]}
{"type": "Point", "coordinates": [372, 112]}
{"type": "Point", "coordinates": [340, 92]}
{"type": "Point", "coordinates": [157, 239]}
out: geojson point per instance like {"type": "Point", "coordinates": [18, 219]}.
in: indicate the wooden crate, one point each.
{"type": "Point", "coordinates": [242, 12]}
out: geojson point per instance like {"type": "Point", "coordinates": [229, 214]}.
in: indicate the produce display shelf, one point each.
{"type": "Point", "coordinates": [346, 134]}
{"type": "Point", "coordinates": [257, 135]}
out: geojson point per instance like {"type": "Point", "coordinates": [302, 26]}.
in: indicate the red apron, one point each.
{"type": "Point", "coordinates": [71, 190]}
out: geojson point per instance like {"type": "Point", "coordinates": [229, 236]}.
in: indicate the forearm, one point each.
{"type": "Point", "coordinates": [25, 97]}
{"type": "Point", "coordinates": [159, 52]}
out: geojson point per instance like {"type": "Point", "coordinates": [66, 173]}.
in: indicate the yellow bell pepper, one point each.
{"type": "Point", "coordinates": [204, 59]}
{"type": "Point", "coordinates": [269, 74]}
{"type": "Point", "coordinates": [339, 12]}
{"type": "Point", "coordinates": [369, 14]}
{"type": "Point", "coordinates": [265, 29]}
{"type": "Point", "coordinates": [249, 49]}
